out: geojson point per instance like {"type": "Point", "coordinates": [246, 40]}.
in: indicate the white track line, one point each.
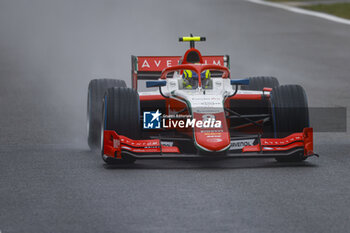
{"type": "Point", "coordinates": [302, 11]}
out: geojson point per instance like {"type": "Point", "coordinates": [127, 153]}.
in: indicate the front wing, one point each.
{"type": "Point", "coordinates": [117, 146]}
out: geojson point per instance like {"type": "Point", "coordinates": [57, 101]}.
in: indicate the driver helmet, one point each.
{"type": "Point", "coordinates": [190, 78]}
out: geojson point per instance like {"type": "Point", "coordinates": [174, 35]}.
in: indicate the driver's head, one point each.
{"type": "Point", "coordinates": [190, 78]}
{"type": "Point", "coordinates": [205, 75]}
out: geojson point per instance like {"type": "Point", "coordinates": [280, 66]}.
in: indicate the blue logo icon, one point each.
{"type": "Point", "coordinates": [151, 120]}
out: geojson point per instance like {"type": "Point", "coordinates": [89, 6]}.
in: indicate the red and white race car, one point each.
{"type": "Point", "coordinates": [214, 117]}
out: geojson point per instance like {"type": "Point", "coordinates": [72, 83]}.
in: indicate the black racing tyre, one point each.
{"type": "Point", "coordinates": [96, 91]}
{"type": "Point", "coordinates": [255, 107]}
{"type": "Point", "coordinates": [258, 83]}
{"type": "Point", "coordinates": [290, 114]}
{"type": "Point", "coordinates": [121, 113]}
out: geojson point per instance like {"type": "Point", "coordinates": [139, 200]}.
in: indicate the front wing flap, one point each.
{"type": "Point", "coordinates": [114, 144]}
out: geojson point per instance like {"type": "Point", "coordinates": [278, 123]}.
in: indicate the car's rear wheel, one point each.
{"type": "Point", "coordinates": [258, 83]}
{"type": "Point", "coordinates": [96, 91]}
{"type": "Point", "coordinates": [290, 114]}
{"type": "Point", "coordinates": [121, 113]}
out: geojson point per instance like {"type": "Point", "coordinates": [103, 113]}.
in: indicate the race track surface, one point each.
{"type": "Point", "coordinates": [51, 182]}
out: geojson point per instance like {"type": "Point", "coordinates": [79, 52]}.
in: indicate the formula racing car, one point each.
{"type": "Point", "coordinates": [196, 110]}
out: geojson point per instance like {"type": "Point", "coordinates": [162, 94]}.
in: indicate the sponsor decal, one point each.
{"type": "Point", "coordinates": [116, 143]}
{"type": "Point", "coordinates": [214, 140]}
{"type": "Point", "coordinates": [167, 143]}
{"type": "Point", "coordinates": [212, 132]}
{"type": "Point", "coordinates": [239, 144]}
{"type": "Point", "coordinates": [159, 63]}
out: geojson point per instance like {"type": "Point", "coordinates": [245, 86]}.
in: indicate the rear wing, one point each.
{"type": "Point", "coordinates": [150, 67]}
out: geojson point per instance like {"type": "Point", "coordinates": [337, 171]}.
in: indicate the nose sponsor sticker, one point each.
{"type": "Point", "coordinates": [214, 140]}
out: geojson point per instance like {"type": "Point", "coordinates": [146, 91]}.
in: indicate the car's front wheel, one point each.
{"type": "Point", "coordinates": [290, 114]}
{"type": "Point", "coordinates": [121, 113]}
{"type": "Point", "coordinates": [96, 91]}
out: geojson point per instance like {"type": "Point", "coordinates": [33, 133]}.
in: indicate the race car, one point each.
{"type": "Point", "coordinates": [196, 110]}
